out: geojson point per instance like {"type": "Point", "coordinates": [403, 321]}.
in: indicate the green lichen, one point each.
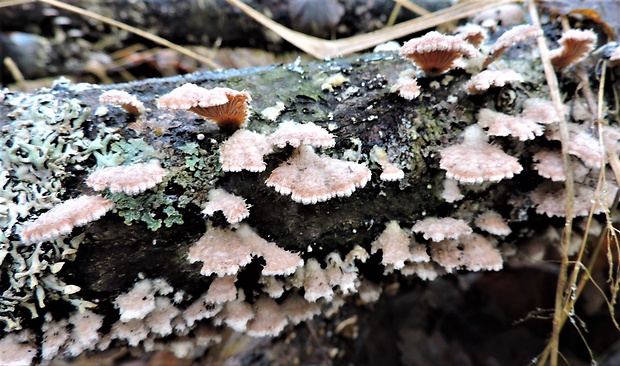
{"type": "Point", "coordinates": [200, 171]}
{"type": "Point", "coordinates": [152, 208]}
{"type": "Point", "coordinates": [44, 143]}
{"type": "Point", "coordinates": [129, 151]}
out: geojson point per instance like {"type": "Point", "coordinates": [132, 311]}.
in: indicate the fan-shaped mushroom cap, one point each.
{"type": "Point", "coordinates": [130, 179]}
{"type": "Point", "coordinates": [269, 319]}
{"type": "Point", "coordinates": [500, 124]}
{"type": "Point", "coordinates": [517, 34]}
{"type": "Point", "coordinates": [221, 252]}
{"type": "Point", "coordinates": [394, 243]}
{"type": "Point", "coordinates": [451, 192]}
{"type": "Point", "coordinates": [124, 100]}
{"type": "Point", "coordinates": [575, 44]}
{"type": "Point", "coordinates": [435, 53]}
{"type": "Point", "coordinates": [62, 218]}
{"type": "Point", "coordinates": [407, 87]}
{"type": "Point", "coordinates": [473, 252]}
{"type": "Point", "coordinates": [492, 222]}
{"type": "Point", "coordinates": [581, 144]}
{"type": "Point", "coordinates": [476, 161]}
{"type": "Point", "coordinates": [226, 107]}
{"type": "Point", "coordinates": [437, 229]}
{"type": "Point", "coordinates": [295, 134]}
{"type": "Point", "coordinates": [222, 290]}
{"type": "Point", "coordinates": [486, 79]}
{"type": "Point", "coordinates": [310, 178]}
{"type": "Point", "coordinates": [233, 207]}
{"type": "Point", "coordinates": [138, 302]}
{"type": "Point", "coordinates": [541, 111]}
{"type": "Point", "coordinates": [244, 150]}
{"type": "Point", "coordinates": [390, 171]}
{"type": "Point", "coordinates": [472, 33]}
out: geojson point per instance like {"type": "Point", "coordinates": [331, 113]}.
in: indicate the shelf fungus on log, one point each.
{"type": "Point", "coordinates": [475, 160]}
{"type": "Point", "coordinates": [310, 178]}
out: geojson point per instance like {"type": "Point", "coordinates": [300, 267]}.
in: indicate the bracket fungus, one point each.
{"type": "Point", "coordinates": [235, 314]}
{"type": "Point", "coordinates": [394, 243]}
{"type": "Point", "coordinates": [475, 160]}
{"type": "Point", "coordinates": [550, 199]}
{"type": "Point", "coordinates": [268, 320]}
{"type": "Point", "coordinates": [473, 252]}
{"type": "Point", "coordinates": [129, 179]}
{"type": "Point", "coordinates": [486, 79]}
{"type": "Point", "coordinates": [575, 45]}
{"type": "Point", "coordinates": [315, 281]}
{"type": "Point", "coordinates": [298, 309]}
{"type": "Point", "coordinates": [390, 172]}
{"type": "Point", "coordinates": [582, 144]}
{"type": "Point", "coordinates": [222, 290]}
{"type": "Point", "coordinates": [138, 302]}
{"type": "Point", "coordinates": [221, 252]}
{"type": "Point", "coordinates": [500, 124]}
{"type": "Point", "coordinates": [224, 252]}
{"type": "Point", "coordinates": [228, 108]}
{"type": "Point", "coordinates": [451, 192]}
{"type": "Point", "coordinates": [233, 207]}
{"type": "Point", "coordinates": [244, 150]}
{"type": "Point", "coordinates": [62, 218]}
{"type": "Point", "coordinates": [295, 134]}
{"type": "Point", "coordinates": [492, 222]}
{"type": "Point", "coordinates": [437, 229]}
{"type": "Point", "coordinates": [426, 271]}
{"type": "Point", "coordinates": [160, 319]}
{"type": "Point", "coordinates": [124, 100]}
{"type": "Point", "coordinates": [436, 53]}
{"type": "Point", "coordinates": [310, 178]}
{"type": "Point", "coordinates": [16, 349]}
{"type": "Point", "coordinates": [550, 165]}
{"type": "Point", "coordinates": [474, 34]}
{"type": "Point", "coordinates": [407, 87]}
{"type": "Point", "coordinates": [84, 335]}
{"type": "Point", "coordinates": [201, 309]}
{"type": "Point", "coordinates": [517, 34]}
{"type": "Point", "coordinates": [277, 260]}
{"type": "Point", "coordinates": [542, 111]}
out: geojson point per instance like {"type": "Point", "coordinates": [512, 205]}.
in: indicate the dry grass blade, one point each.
{"type": "Point", "coordinates": [14, 71]}
{"type": "Point", "coordinates": [321, 48]}
{"type": "Point", "coordinates": [413, 7]}
{"type": "Point", "coordinates": [614, 161]}
{"type": "Point", "coordinates": [6, 3]}
{"type": "Point", "coordinates": [551, 353]}
{"type": "Point", "coordinates": [393, 15]}
{"type": "Point", "coordinates": [134, 30]}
